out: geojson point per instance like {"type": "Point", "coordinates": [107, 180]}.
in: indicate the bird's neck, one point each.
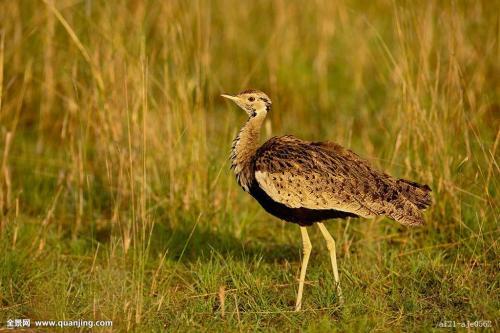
{"type": "Point", "coordinates": [246, 143]}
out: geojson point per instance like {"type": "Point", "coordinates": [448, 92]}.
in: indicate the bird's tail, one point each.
{"type": "Point", "coordinates": [412, 199]}
{"type": "Point", "coordinates": [417, 194]}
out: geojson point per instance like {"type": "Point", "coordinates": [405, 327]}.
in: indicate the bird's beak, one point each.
{"type": "Point", "coordinates": [233, 98]}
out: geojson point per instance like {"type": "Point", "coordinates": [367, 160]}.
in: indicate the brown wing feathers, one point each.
{"type": "Point", "coordinates": [321, 176]}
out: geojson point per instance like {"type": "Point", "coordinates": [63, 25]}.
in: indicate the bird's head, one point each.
{"type": "Point", "coordinates": [254, 102]}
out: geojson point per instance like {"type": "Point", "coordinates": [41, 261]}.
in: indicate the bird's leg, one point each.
{"type": "Point", "coordinates": [306, 243]}
{"type": "Point", "coordinates": [330, 244]}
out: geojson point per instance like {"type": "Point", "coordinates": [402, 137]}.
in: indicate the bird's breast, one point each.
{"type": "Point", "coordinates": [244, 177]}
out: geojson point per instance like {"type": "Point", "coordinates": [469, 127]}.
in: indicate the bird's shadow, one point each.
{"type": "Point", "coordinates": [187, 244]}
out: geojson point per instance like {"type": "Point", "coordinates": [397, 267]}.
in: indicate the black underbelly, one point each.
{"type": "Point", "coordinates": [301, 216]}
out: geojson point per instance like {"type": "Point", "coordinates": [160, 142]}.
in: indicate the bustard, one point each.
{"type": "Point", "coordinates": [306, 182]}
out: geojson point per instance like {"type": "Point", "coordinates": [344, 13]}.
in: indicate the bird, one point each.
{"type": "Point", "coordinates": [308, 182]}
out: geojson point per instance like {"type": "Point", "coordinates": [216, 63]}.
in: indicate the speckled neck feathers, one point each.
{"type": "Point", "coordinates": [244, 147]}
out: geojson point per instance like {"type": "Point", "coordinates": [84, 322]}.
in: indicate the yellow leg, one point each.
{"type": "Point", "coordinates": [330, 244]}
{"type": "Point", "coordinates": [306, 243]}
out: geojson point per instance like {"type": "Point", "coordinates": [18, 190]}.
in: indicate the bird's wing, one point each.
{"type": "Point", "coordinates": [317, 175]}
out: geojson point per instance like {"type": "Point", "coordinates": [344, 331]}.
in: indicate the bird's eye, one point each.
{"type": "Point", "coordinates": [251, 99]}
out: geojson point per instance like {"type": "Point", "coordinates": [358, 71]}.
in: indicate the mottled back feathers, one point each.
{"type": "Point", "coordinates": [325, 176]}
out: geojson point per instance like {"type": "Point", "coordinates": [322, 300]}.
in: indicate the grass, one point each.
{"type": "Point", "coordinates": [116, 198]}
